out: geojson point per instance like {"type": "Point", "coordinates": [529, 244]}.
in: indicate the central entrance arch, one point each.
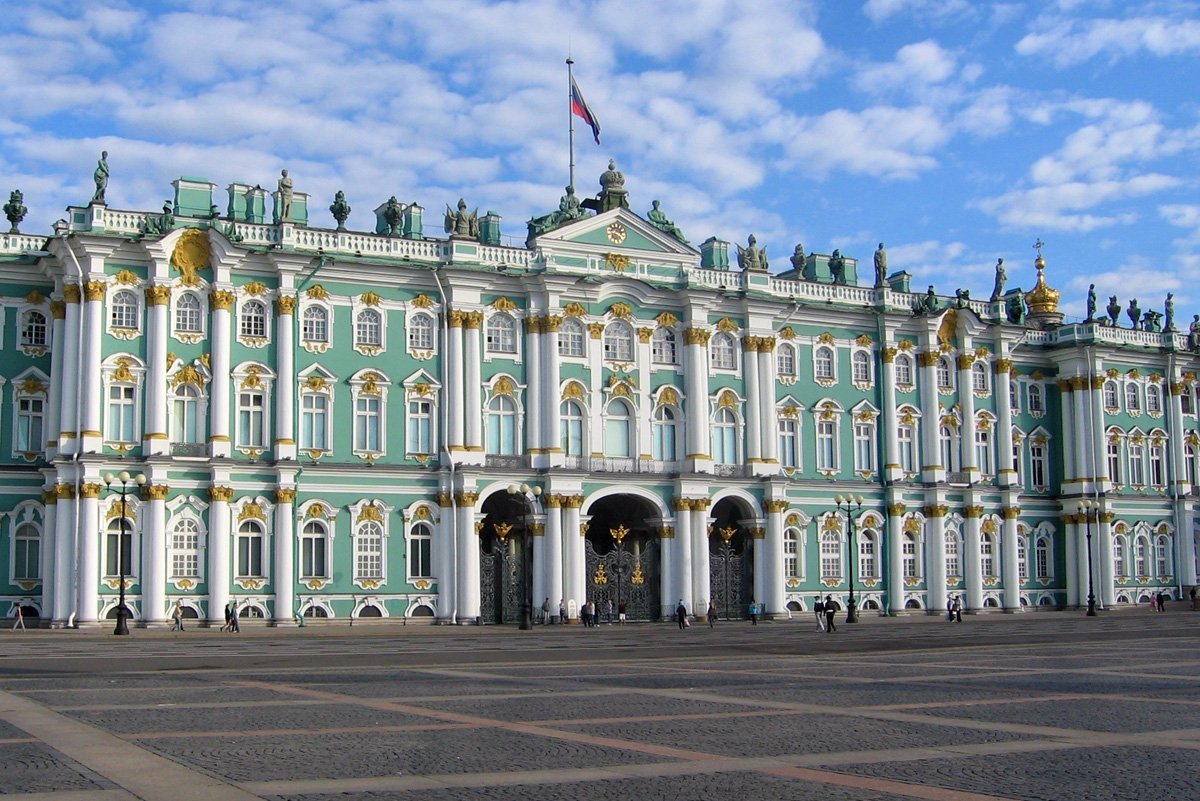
{"type": "Point", "coordinates": [731, 559]}
{"type": "Point", "coordinates": [503, 568]}
{"type": "Point", "coordinates": [621, 556]}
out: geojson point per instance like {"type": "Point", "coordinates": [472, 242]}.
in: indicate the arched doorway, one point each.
{"type": "Point", "coordinates": [730, 559]}
{"type": "Point", "coordinates": [621, 556]}
{"type": "Point", "coordinates": [503, 570]}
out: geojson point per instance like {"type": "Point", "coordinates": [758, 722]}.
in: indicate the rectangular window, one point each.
{"type": "Point", "coordinates": [910, 558]}
{"type": "Point", "coordinates": [791, 556]}
{"type": "Point", "coordinates": [987, 557]}
{"type": "Point", "coordinates": [831, 558]}
{"type": "Point", "coordinates": [121, 413]}
{"type": "Point", "coordinates": [864, 447]}
{"type": "Point", "coordinates": [908, 449]}
{"type": "Point", "coordinates": [420, 557]}
{"type": "Point", "coordinates": [866, 554]}
{"type": "Point", "coordinates": [122, 548]}
{"type": "Point", "coordinates": [1114, 462]}
{"type": "Point", "coordinates": [185, 549]}
{"type": "Point", "coordinates": [369, 561]}
{"type": "Point", "coordinates": [314, 422]}
{"type": "Point", "coordinates": [1038, 465]}
{"type": "Point", "coordinates": [312, 557]}
{"type": "Point", "coordinates": [27, 558]}
{"type": "Point", "coordinates": [826, 445]}
{"type": "Point", "coordinates": [366, 423]}
{"type": "Point", "coordinates": [29, 424]}
{"type": "Point", "coordinates": [420, 415]}
{"type": "Point", "coordinates": [251, 420]}
{"type": "Point", "coordinates": [249, 556]}
{"type": "Point", "coordinates": [983, 452]}
{"type": "Point", "coordinates": [789, 443]}
{"type": "Point", "coordinates": [1137, 466]}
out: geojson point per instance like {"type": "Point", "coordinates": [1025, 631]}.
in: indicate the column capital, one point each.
{"type": "Point", "coordinates": [221, 299]}
{"type": "Point", "coordinates": [776, 505]}
{"type": "Point", "coordinates": [220, 494]}
{"type": "Point", "coordinates": [965, 361]}
{"type": "Point", "coordinates": [155, 492]}
{"type": "Point", "coordinates": [973, 512]}
{"type": "Point", "coordinates": [91, 490]}
{"type": "Point", "coordinates": [467, 498]}
{"type": "Point", "coordinates": [444, 500]}
{"type": "Point", "coordinates": [937, 510]}
{"type": "Point", "coordinates": [666, 532]}
{"type": "Point", "coordinates": [94, 290]}
{"type": "Point", "coordinates": [285, 495]}
{"type": "Point", "coordinates": [158, 295]}
{"type": "Point", "coordinates": [472, 320]}
{"type": "Point", "coordinates": [928, 358]}
{"type": "Point", "coordinates": [70, 293]}
{"type": "Point", "coordinates": [65, 492]}
{"type": "Point", "coordinates": [1010, 512]}
{"type": "Point", "coordinates": [1002, 366]}
{"type": "Point", "coordinates": [285, 304]}
{"type": "Point", "coordinates": [696, 336]}
{"type": "Point", "coordinates": [896, 509]}
{"type": "Point", "coordinates": [888, 355]}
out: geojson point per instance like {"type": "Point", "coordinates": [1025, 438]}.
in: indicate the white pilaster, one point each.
{"type": "Point", "coordinates": [534, 397]}
{"type": "Point", "coordinates": [891, 441]}
{"type": "Point", "coordinates": [1006, 474]}
{"type": "Point", "coordinates": [666, 568]}
{"type": "Point", "coordinates": [554, 552]}
{"type": "Point", "coordinates": [935, 561]}
{"type": "Point", "coordinates": [154, 555]}
{"type": "Point", "coordinates": [221, 302]}
{"type": "Point", "coordinates": [683, 555]}
{"type": "Point", "coordinates": [550, 411]}
{"type": "Point", "coordinates": [574, 586]}
{"type": "Point", "coordinates": [447, 570]}
{"type": "Point", "coordinates": [65, 552]}
{"type": "Point", "coordinates": [1011, 573]}
{"type": "Point", "coordinates": [70, 399]}
{"type": "Point", "coordinates": [895, 545]}
{"type": "Point", "coordinates": [774, 593]}
{"type": "Point", "coordinates": [766, 397]}
{"type": "Point", "coordinates": [701, 575]}
{"type": "Point", "coordinates": [155, 441]}
{"type": "Point", "coordinates": [468, 559]}
{"type": "Point", "coordinates": [455, 398]}
{"type": "Point", "coordinates": [219, 567]}
{"type": "Point", "coordinates": [93, 323]}
{"type": "Point", "coordinates": [88, 556]}
{"type": "Point", "coordinates": [966, 400]}
{"type": "Point", "coordinates": [285, 561]}
{"type": "Point", "coordinates": [52, 425]}
{"type": "Point", "coordinates": [932, 469]}
{"type": "Point", "coordinates": [695, 382]}
{"type": "Point", "coordinates": [473, 390]}
{"type": "Point", "coordinates": [972, 560]}
{"type": "Point", "coordinates": [49, 552]}
{"type": "Point", "coordinates": [754, 433]}
{"type": "Point", "coordinates": [285, 391]}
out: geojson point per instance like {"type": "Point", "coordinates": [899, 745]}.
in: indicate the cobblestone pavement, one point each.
{"type": "Point", "coordinates": [1038, 706]}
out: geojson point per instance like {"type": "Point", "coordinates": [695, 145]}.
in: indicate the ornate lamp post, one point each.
{"type": "Point", "coordinates": [528, 496]}
{"type": "Point", "coordinates": [850, 504]}
{"type": "Point", "coordinates": [125, 480]}
{"type": "Point", "coordinates": [1087, 508]}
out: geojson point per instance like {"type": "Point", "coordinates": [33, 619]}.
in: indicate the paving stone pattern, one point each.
{"type": "Point", "coordinates": [35, 768]}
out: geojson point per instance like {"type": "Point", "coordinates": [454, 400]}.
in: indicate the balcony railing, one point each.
{"type": "Point", "coordinates": [618, 464]}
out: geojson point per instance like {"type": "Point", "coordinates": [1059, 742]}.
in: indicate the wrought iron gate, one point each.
{"type": "Point", "coordinates": [729, 580]}
{"type": "Point", "coordinates": [500, 581]}
{"type": "Point", "coordinates": [622, 576]}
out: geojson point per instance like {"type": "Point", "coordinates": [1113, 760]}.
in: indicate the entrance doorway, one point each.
{"type": "Point", "coordinates": [622, 558]}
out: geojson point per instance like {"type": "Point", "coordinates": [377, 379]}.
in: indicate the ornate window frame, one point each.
{"type": "Point", "coordinates": [253, 294]}
{"type": "Point", "coordinates": [322, 514]}
{"type": "Point", "coordinates": [315, 381]}
{"type": "Point", "coordinates": [191, 510]}
{"type": "Point", "coordinates": [261, 512]}
{"type": "Point", "coordinates": [252, 377]}
{"type": "Point", "coordinates": [316, 303]}
{"type": "Point", "coordinates": [33, 338]}
{"type": "Point", "coordinates": [365, 516]}
{"type": "Point", "coordinates": [364, 385]}
{"type": "Point", "coordinates": [127, 371]}
{"type": "Point", "coordinates": [126, 290]}
{"type": "Point", "coordinates": [189, 336]}
{"type": "Point", "coordinates": [27, 514]}
{"type": "Point", "coordinates": [30, 402]}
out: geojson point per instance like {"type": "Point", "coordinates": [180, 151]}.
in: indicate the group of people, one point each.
{"type": "Point", "coordinates": [1158, 600]}
{"type": "Point", "coordinates": [825, 610]}
{"type": "Point", "coordinates": [231, 617]}
{"type": "Point", "coordinates": [953, 609]}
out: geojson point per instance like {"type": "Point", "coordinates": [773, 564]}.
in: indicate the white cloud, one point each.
{"type": "Point", "coordinates": [1067, 42]}
{"type": "Point", "coordinates": [882, 10]}
{"type": "Point", "coordinates": [885, 141]}
{"type": "Point", "coordinates": [1060, 207]}
{"type": "Point", "coordinates": [915, 67]}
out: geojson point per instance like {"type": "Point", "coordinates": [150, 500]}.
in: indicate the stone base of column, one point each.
{"type": "Point", "coordinates": [284, 623]}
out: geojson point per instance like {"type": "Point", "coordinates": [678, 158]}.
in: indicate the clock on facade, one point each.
{"type": "Point", "coordinates": [616, 233]}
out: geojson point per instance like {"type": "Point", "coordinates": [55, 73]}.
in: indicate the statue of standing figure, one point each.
{"type": "Point", "coordinates": [798, 261]}
{"type": "Point", "coordinates": [837, 267]}
{"type": "Point", "coordinates": [1114, 311]}
{"type": "Point", "coordinates": [100, 176]}
{"type": "Point", "coordinates": [880, 267]}
{"type": "Point", "coordinates": [1091, 304]}
{"type": "Point", "coordinates": [1170, 310]}
{"type": "Point", "coordinates": [462, 224]}
{"type": "Point", "coordinates": [1001, 278]}
{"type": "Point", "coordinates": [1135, 314]}
{"type": "Point", "coordinates": [752, 257]}
{"type": "Point", "coordinates": [1194, 333]}
{"type": "Point", "coordinates": [285, 197]}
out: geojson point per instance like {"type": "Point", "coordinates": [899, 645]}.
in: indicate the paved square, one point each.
{"type": "Point", "coordinates": [1042, 706]}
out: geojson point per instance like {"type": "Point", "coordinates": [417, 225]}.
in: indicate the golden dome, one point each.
{"type": "Point", "coordinates": [1041, 299]}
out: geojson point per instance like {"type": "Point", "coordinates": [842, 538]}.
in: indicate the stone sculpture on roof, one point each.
{"type": "Point", "coordinates": [462, 224]}
{"type": "Point", "coordinates": [659, 220]}
{"type": "Point", "coordinates": [752, 257]}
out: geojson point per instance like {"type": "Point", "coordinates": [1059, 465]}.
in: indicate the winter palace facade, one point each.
{"type": "Point", "coordinates": [406, 423]}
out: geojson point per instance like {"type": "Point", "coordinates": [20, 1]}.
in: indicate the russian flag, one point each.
{"type": "Point", "coordinates": [579, 108]}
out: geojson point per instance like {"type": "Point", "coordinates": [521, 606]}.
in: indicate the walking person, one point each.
{"type": "Point", "coordinates": [711, 614]}
{"type": "Point", "coordinates": [621, 613]}
{"type": "Point", "coordinates": [830, 611]}
{"type": "Point", "coordinates": [819, 608]}
{"type": "Point", "coordinates": [562, 610]}
{"type": "Point", "coordinates": [19, 618]}
{"type": "Point", "coordinates": [753, 612]}
{"type": "Point", "coordinates": [546, 611]}
{"type": "Point", "coordinates": [957, 609]}
{"type": "Point", "coordinates": [228, 617]}
{"type": "Point", "coordinates": [681, 615]}
{"type": "Point", "coordinates": [949, 608]}
{"type": "Point", "coordinates": [608, 610]}
{"type": "Point", "coordinates": [177, 616]}
{"type": "Point", "coordinates": [234, 625]}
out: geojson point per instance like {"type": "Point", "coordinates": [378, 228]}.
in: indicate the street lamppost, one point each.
{"type": "Point", "coordinates": [125, 480]}
{"type": "Point", "coordinates": [1087, 508]}
{"type": "Point", "coordinates": [528, 495]}
{"type": "Point", "coordinates": [850, 504]}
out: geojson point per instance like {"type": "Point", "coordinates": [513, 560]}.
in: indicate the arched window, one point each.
{"type": "Point", "coordinates": [501, 334]}
{"type": "Point", "coordinates": [186, 415]}
{"type": "Point", "coordinates": [945, 375]}
{"type": "Point", "coordinates": [663, 349]}
{"type": "Point", "coordinates": [1039, 463]}
{"type": "Point", "coordinates": [571, 338]}
{"type": "Point", "coordinates": [904, 370]}
{"type": "Point", "coordinates": [823, 364]}
{"type": "Point", "coordinates": [124, 310]}
{"type": "Point", "coordinates": [1120, 568]}
{"type": "Point", "coordinates": [1044, 557]}
{"type": "Point", "coordinates": [1113, 452]}
{"type": "Point", "coordinates": [618, 342]}
{"type": "Point", "coordinates": [1023, 558]}
{"type": "Point", "coordinates": [1035, 399]}
{"type": "Point", "coordinates": [860, 367]}
{"type": "Point", "coordinates": [664, 434]}
{"type": "Point", "coordinates": [250, 549]}
{"type": "Point", "coordinates": [1162, 556]}
{"type": "Point", "coordinates": [868, 554]}
{"type": "Point", "coordinates": [953, 568]}
{"type": "Point", "coordinates": [420, 332]}
{"type": "Point", "coordinates": [315, 325]}
{"type": "Point", "coordinates": [1014, 397]}
{"type": "Point", "coordinates": [189, 314]}
{"type": "Point", "coordinates": [789, 442]}
{"type": "Point", "coordinates": [570, 416]}
{"type": "Point", "coordinates": [987, 555]}
{"type": "Point", "coordinates": [314, 551]}
{"type": "Point", "coordinates": [1153, 399]}
{"type": "Point", "coordinates": [118, 544]}
{"type": "Point", "coordinates": [785, 360]}
{"type": "Point", "coordinates": [1141, 556]}
{"type": "Point", "coordinates": [1158, 463]}
{"type": "Point", "coordinates": [420, 551]}
{"type": "Point", "coordinates": [368, 551]}
{"type": "Point", "coordinates": [722, 351]}
{"type": "Point", "coordinates": [906, 438]}
{"type": "Point", "coordinates": [979, 377]}
{"type": "Point", "coordinates": [908, 553]}
{"type": "Point", "coordinates": [185, 549]}
{"type": "Point", "coordinates": [831, 555]}
{"type": "Point", "coordinates": [724, 436]}
{"type": "Point", "coordinates": [33, 329]}
{"type": "Point", "coordinates": [27, 553]}
{"type": "Point", "coordinates": [253, 321]}
{"type": "Point", "coordinates": [502, 426]}
{"type": "Point", "coordinates": [1187, 399]}
{"type": "Point", "coordinates": [1111, 403]}
{"type": "Point", "coordinates": [618, 430]}
{"type": "Point", "coordinates": [791, 553]}
{"type": "Point", "coordinates": [1133, 398]}
{"type": "Point", "coordinates": [368, 329]}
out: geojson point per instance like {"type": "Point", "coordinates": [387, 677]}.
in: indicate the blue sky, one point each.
{"type": "Point", "coordinates": [957, 132]}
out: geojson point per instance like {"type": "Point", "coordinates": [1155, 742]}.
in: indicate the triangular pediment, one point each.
{"type": "Point", "coordinates": [616, 230]}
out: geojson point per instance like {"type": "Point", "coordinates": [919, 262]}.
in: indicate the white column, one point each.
{"type": "Point", "coordinates": [701, 576]}
{"type": "Point", "coordinates": [966, 400]}
{"type": "Point", "coordinates": [64, 552]}
{"type": "Point", "coordinates": [447, 570]}
{"type": "Point", "coordinates": [1081, 550]}
{"type": "Point", "coordinates": [154, 554]}
{"type": "Point", "coordinates": [1073, 554]}
{"type": "Point", "coordinates": [549, 390]}
{"type": "Point", "coordinates": [534, 396]}
{"type": "Point", "coordinates": [972, 560]}
{"type": "Point", "coordinates": [645, 405]}
{"type": "Point", "coordinates": [754, 431]}
{"type": "Point", "coordinates": [574, 585]}
{"type": "Point", "coordinates": [932, 470]}
{"type": "Point", "coordinates": [69, 397]}
{"type": "Point", "coordinates": [1079, 398]}
{"type": "Point", "coordinates": [49, 551]}
{"type": "Point", "coordinates": [891, 440]}
{"type": "Point", "coordinates": [1099, 444]}
{"type": "Point", "coordinates": [538, 538]}
{"type": "Point", "coordinates": [285, 389]}
{"type": "Point", "coordinates": [695, 382]}
{"type": "Point", "coordinates": [472, 389]}
{"type": "Point", "coordinates": [935, 558]}
{"type": "Point", "coordinates": [1106, 587]}
{"type": "Point", "coordinates": [1069, 431]}
{"type": "Point", "coordinates": [93, 323]}
{"type": "Point", "coordinates": [468, 558]}
{"type": "Point", "coordinates": [895, 576]}
{"type": "Point", "coordinates": [1008, 564]}
{"type": "Point", "coordinates": [1177, 472]}
{"type": "Point", "coordinates": [89, 553]}
{"type": "Point", "coordinates": [666, 569]}
{"type": "Point", "coordinates": [285, 561]}
{"type": "Point", "coordinates": [762, 581]}
{"type": "Point", "coordinates": [1006, 474]}
{"type": "Point", "coordinates": [683, 555]}
{"type": "Point", "coordinates": [767, 422]}
{"type": "Point", "coordinates": [454, 398]}
{"type": "Point", "coordinates": [554, 552]}
{"type": "Point", "coordinates": [221, 301]}
{"type": "Point", "coordinates": [52, 425]}
{"type": "Point", "coordinates": [774, 592]}
{"type": "Point", "coordinates": [155, 441]}
{"type": "Point", "coordinates": [219, 568]}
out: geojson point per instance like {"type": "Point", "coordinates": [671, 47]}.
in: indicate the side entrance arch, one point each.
{"type": "Point", "coordinates": [731, 559]}
{"type": "Point", "coordinates": [621, 556]}
{"type": "Point", "coordinates": [504, 571]}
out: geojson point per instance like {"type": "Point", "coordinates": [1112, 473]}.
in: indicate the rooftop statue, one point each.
{"type": "Point", "coordinates": [285, 197]}
{"type": "Point", "coordinates": [1001, 278]}
{"type": "Point", "coordinates": [798, 261]}
{"type": "Point", "coordinates": [340, 209]}
{"type": "Point", "coordinates": [1114, 311]}
{"type": "Point", "coordinates": [659, 220]}
{"type": "Point", "coordinates": [1194, 333]}
{"type": "Point", "coordinates": [1135, 314]}
{"type": "Point", "coordinates": [569, 210]}
{"type": "Point", "coordinates": [393, 213]}
{"type": "Point", "coordinates": [925, 304]}
{"type": "Point", "coordinates": [880, 267]}
{"type": "Point", "coordinates": [1016, 309]}
{"type": "Point", "coordinates": [961, 298]}
{"type": "Point", "coordinates": [1091, 304]}
{"type": "Point", "coordinates": [15, 210]}
{"type": "Point", "coordinates": [837, 267]}
{"type": "Point", "coordinates": [752, 257]}
{"type": "Point", "coordinates": [462, 224]}
{"type": "Point", "coordinates": [100, 176]}
{"type": "Point", "coordinates": [1152, 321]}
{"type": "Point", "coordinates": [1170, 310]}
{"type": "Point", "coordinates": [159, 223]}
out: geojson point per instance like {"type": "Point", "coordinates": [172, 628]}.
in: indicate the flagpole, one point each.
{"type": "Point", "coordinates": [570, 121]}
